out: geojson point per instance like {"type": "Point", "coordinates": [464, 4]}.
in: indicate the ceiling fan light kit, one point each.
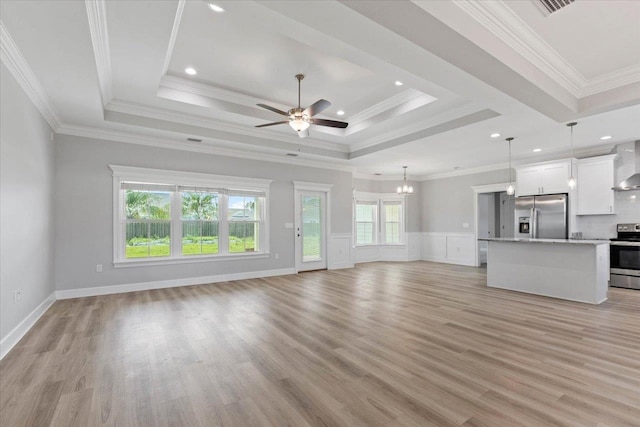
{"type": "Point", "coordinates": [300, 119]}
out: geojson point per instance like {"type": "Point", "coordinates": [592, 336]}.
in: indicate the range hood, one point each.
{"type": "Point", "coordinates": [633, 182]}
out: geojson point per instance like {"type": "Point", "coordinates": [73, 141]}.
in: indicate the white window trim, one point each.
{"type": "Point", "coordinates": [379, 199]}
{"type": "Point", "coordinates": [128, 173]}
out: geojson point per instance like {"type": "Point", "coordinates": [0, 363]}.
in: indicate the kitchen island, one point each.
{"type": "Point", "coordinates": [576, 270]}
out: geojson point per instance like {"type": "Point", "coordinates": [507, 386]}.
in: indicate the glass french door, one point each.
{"type": "Point", "coordinates": [311, 241]}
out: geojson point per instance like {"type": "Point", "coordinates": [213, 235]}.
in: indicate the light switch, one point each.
{"type": "Point", "coordinates": [465, 225]}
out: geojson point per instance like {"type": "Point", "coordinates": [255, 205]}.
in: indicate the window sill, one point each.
{"type": "Point", "coordinates": [187, 260]}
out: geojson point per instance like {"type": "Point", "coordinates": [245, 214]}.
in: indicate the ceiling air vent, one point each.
{"type": "Point", "coordinates": [550, 6]}
{"type": "Point", "coordinates": [194, 140]}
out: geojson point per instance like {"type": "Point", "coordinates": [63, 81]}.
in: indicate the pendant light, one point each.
{"type": "Point", "coordinates": [405, 188]}
{"type": "Point", "coordinates": [572, 180]}
{"type": "Point", "coordinates": [510, 188]}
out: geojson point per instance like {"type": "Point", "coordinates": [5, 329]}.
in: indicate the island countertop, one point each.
{"type": "Point", "coordinates": [556, 241]}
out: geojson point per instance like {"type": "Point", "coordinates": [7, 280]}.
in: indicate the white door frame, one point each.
{"type": "Point", "coordinates": [479, 189]}
{"type": "Point", "coordinates": [299, 186]}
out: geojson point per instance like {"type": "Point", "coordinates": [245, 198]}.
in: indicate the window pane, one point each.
{"type": "Point", "coordinates": [365, 213]}
{"type": "Point", "coordinates": [137, 240]}
{"type": "Point", "coordinates": [364, 233]}
{"type": "Point", "coordinates": [199, 237]}
{"type": "Point", "coordinates": [137, 204]}
{"type": "Point", "coordinates": [148, 239]}
{"type": "Point", "coordinates": [196, 205]}
{"type": "Point", "coordinates": [392, 230]}
{"type": "Point", "coordinates": [209, 237]}
{"type": "Point", "coordinates": [159, 238]}
{"type": "Point", "coordinates": [243, 208]}
{"type": "Point", "coordinates": [311, 228]}
{"type": "Point", "coordinates": [243, 236]}
{"type": "Point", "coordinates": [392, 213]}
{"type": "Point", "coordinates": [159, 205]}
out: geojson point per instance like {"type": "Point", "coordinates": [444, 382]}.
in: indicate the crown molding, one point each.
{"type": "Point", "coordinates": [397, 100]}
{"type": "Point", "coordinates": [97, 16]}
{"type": "Point", "coordinates": [462, 172]}
{"type": "Point", "coordinates": [174, 36]}
{"type": "Point", "coordinates": [435, 119]}
{"type": "Point", "coordinates": [612, 80]}
{"type": "Point", "coordinates": [504, 23]}
{"type": "Point", "coordinates": [125, 107]}
{"type": "Point", "coordinates": [210, 91]}
{"type": "Point", "coordinates": [12, 58]}
{"type": "Point", "coordinates": [176, 144]}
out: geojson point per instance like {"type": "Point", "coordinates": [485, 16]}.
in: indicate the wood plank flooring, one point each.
{"type": "Point", "coordinates": [383, 344]}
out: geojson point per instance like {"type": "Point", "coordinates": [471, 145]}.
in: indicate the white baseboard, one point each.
{"type": "Point", "coordinates": [161, 284]}
{"type": "Point", "coordinates": [467, 262]}
{"type": "Point", "coordinates": [340, 266]}
{"type": "Point", "coordinates": [16, 334]}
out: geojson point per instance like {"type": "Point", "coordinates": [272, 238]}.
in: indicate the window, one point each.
{"type": "Point", "coordinates": [167, 216]}
{"type": "Point", "coordinates": [378, 219]}
{"type": "Point", "coordinates": [200, 225]}
{"type": "Point", "coordinates": [392, 220]}
{"type": "Point", "coordinates": [244, 222]}
{"type": "Point", "coordinates": [147, 220]}
{"type": "Point", "coordinates": [366, 223]}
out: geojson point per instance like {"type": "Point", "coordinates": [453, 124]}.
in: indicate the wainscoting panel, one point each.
{"type": "Point", "coordinates": [340, 254]}
{"type": "Point", "coordinates": [451, 248]}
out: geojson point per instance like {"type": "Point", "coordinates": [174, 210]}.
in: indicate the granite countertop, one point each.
{"type": "Point", "coordinates": [557, 241]}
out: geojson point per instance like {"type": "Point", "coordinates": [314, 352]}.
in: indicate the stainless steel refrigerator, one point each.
{"type": "Point", "coordinates": [542, 217]}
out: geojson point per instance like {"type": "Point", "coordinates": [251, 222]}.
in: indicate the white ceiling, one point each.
{"type": "Point", "coordinates": [115, 69]}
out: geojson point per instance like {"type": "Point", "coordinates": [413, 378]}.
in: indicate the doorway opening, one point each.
{"type": "Point", "coordinates": [495, 219]}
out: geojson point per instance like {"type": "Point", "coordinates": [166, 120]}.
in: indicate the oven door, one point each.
{"type": "Point", "coordinates": [625, 258]}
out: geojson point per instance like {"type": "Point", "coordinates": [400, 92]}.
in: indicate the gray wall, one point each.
{"type": "Point", "coordinates": [627, 203]}
{"type": "Point", "coordinates": [26, 209]}
{"type": "Point", "coordinates": [448, 203]}
{"type": "Point", "coordinates": [413, 202]}
{"type": "Point", "coordinates": [83, 209]}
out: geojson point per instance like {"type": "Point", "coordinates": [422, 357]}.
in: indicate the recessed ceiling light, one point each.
{"type": "Point", "coordinates": [399, 83]}
{"type": "Point", "coordinates": [191, 71]}
{"type": "Point", "coordinates": [537, 150]}
{"type": "Point", "coordinates": [495, 135]}
{"type": "Point", "coordinates": [604, 138]}
{"type": "Point", "coordinates": [340, 113]}
{"type": "Point", "coordinates": [215, 7]}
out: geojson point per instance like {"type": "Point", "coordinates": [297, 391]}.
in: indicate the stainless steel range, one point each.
{"type": "Point", "coordinates": [625, 257]}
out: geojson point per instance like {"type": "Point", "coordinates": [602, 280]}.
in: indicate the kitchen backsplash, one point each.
{"type": "Point", "coordinates": [627, 203]}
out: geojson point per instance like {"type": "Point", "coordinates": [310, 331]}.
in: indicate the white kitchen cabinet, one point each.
{"type": "Point", "coordinates": [594, 181]}
{"type": "Point", "coordinates": [543, 178]}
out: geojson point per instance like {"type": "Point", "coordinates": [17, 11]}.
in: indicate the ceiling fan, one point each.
{"type": "Point", "coordinates": [301, 118]}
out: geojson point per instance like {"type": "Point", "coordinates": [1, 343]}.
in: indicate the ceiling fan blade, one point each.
{"type": "Point", "coordinates": [304, 133]}
{"type": "Point", "coordinates": [317, 107]}
{"type": "Point", "coordinates": [330, 123]}
{"type": "Point", "coordinates": [272, 124]}
{"type": "Point", "coordinates": [275, 110]}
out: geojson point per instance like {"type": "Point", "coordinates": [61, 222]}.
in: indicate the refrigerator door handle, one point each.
{"type": "Point", "coordinates": [534, 223]}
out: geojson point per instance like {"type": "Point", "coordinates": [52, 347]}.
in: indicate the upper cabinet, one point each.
{"type": "Point", "coordinates": [594, 181]}
{"type": "Point", "coordinates": [543, 178]}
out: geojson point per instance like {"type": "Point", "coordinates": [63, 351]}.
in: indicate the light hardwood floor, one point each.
{"type": "Point", "coordinates": [383, 344]}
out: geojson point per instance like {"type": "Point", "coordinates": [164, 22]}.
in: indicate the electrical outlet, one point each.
{"type": "Point", "coordinates": [17, 296]}
{"type": "Point", "coordinates": [465, 225]}
{"type": "Point", "coordinates": [99, 268]}
{"type": "Point", "coordinates": [277, 256]}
